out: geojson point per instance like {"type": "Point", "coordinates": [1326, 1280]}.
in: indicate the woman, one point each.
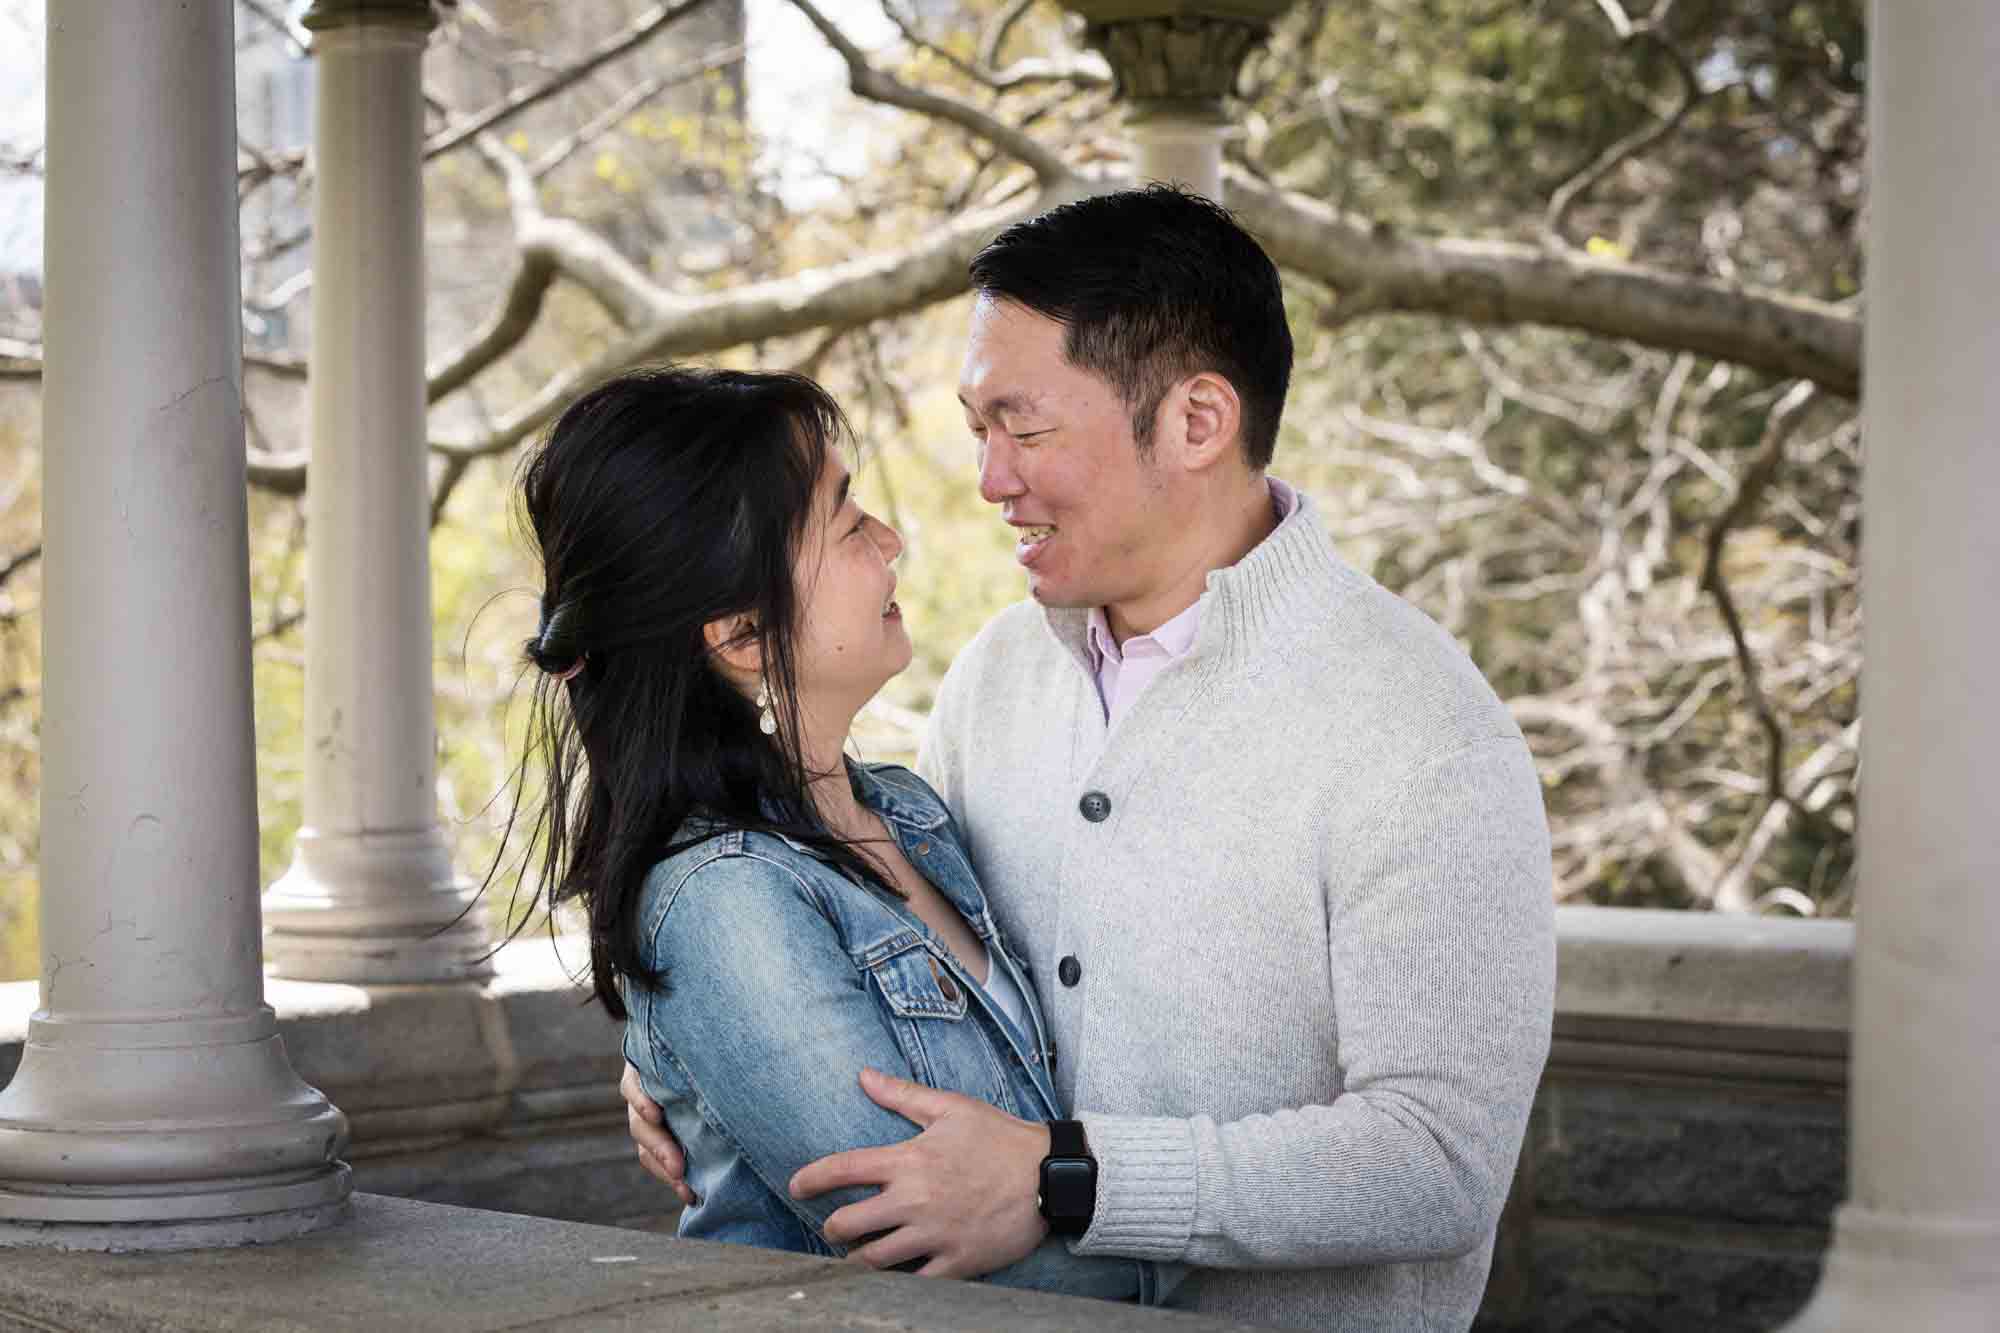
{"type": "Point", "coordinates": [766, 916]}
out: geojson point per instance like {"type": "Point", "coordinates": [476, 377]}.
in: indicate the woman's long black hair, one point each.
{"type": "Point", "coordinates": [661, 500]}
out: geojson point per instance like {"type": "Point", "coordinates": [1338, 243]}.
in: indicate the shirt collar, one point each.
{"type": "Point", "coordinates": [1176, 637]}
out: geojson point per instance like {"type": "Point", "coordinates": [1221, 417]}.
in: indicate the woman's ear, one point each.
{"type": "Point", "coordinates": [735, 640]}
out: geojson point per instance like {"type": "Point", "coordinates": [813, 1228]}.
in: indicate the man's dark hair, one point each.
{"type": "Point", "coordinates": [1153, 285]}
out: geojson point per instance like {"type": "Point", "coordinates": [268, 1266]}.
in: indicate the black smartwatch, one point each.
{"type": "Point", "coordinates": [1069, 1180]}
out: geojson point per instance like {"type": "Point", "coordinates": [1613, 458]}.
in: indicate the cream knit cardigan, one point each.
{"type": "Point", "coordinates": [1314, 934]}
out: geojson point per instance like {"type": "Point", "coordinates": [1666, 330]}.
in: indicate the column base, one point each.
{"type": "Point", "coordinates": [1887, 1270]}
{"type": "Point", "coordinates": [230, 1148]}
{"type": "Point", "coordinates": [375, 909]}
{"type": "Point", "coordinates": [188, 1234]}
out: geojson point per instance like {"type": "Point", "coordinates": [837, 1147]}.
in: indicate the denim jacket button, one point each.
{"type": "Point", "coordinates": [923, 849]}
{"type": "Point", "coordinates": [945, 983]}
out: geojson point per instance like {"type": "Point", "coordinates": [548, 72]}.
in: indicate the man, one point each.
{"type": "Point", "coordinates": [1273, 849]}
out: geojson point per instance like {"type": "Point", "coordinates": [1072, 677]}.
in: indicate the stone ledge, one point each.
{"type": "Point", "coordinates": [1676, 996]}
{"type": "Point", "coordinates": [398, 1263]}
{"type": "Point", "coordinates": [1780, 973]}
{"type": "Point", "coordinates": [416, 1067]}
{"type": "Point", "coordinates": [1636, 989]}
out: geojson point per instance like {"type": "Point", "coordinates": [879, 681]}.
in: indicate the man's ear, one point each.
{"type": "Point", "coordinates": [735, 640]}
{"type": "Point", "coordinates": [1206, 420]}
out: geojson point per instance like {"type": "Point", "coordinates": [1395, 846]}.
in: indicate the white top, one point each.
{"type": "Point", "coordinates": [1000, 988]}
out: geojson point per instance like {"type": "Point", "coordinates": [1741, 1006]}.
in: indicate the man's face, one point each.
{"type": "Point", "coordinates": [1056, 453]}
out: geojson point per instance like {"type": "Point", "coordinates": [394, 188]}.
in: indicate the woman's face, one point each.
{"type": "Point", "coordinates": [852, 639]}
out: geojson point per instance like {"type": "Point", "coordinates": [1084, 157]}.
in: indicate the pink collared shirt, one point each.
{"type": "Point", "coordinates": [1125, 670]}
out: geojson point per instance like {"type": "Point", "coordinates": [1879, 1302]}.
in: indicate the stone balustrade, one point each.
{"type": "Point", "coordinates": [1684, 1158]}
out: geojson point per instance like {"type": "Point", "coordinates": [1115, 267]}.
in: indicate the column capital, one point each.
{"type": "Point", "coordinates": [325, 15]}
{"type": "Point", "coordinates": [1177, 60]}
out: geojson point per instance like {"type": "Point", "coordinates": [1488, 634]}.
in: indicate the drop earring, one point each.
{"type": "Point", "coordinates": [767, 721]}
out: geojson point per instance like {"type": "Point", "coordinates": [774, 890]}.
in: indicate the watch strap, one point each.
{"type": "Point", "coordinates": [1066, 1139]}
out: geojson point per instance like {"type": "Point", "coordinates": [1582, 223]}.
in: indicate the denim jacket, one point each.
{"type": "Point", "coordinates": [783, 976]}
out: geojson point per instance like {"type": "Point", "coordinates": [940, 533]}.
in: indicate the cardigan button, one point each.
{"type": "Point", "coordinates": [1069, 971]}
{"type": "Point", "coordinates": [1096, 806]}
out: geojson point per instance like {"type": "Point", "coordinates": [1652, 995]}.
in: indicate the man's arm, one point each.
{"type": "Point", "coordinates": [1442, 952]}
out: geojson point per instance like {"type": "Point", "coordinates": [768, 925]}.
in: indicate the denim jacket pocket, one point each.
{"type": "Point", "coordinates": [915, 985]}
{"type": "Point", "coordinates": [940, 1029]}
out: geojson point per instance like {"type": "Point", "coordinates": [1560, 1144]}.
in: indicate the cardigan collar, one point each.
{"type": "Point", "coordinates": [1286, 577]}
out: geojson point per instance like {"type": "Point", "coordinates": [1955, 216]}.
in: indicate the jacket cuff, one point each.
{"type": "Point", "coordinates": [1145, 1187]}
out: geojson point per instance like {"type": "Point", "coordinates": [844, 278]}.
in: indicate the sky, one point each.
{"type": "Point", "coordinates": [21, 120]}
{"type": "Point", "coordinates": [788, 64]}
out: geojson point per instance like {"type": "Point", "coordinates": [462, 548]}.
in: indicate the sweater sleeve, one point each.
{"type": "Point", "coordinates": [1440, 925]}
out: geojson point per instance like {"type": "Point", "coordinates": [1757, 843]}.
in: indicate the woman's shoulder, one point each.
{"type": "Point", "coordinates": [749, 868]}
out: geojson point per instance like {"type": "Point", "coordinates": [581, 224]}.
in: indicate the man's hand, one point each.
{"type": "Point", "coordinates": [658, 1152]}
{"type": "Point", "coordinates": [962, 1192]}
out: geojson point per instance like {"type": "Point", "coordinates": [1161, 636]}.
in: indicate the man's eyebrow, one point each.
{"type": "Point", "coordinates": [1006, 402]}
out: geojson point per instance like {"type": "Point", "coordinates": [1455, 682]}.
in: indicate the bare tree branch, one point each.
{"type": "Point", "coordinates": [809, 365]}
{"type": "Point", "coordinates": [873, 84]}
{"type": "Point", "coordinates": [851, 293]}
{"type": "Point", "coordinates": [1378, 268]}
{"type": "Point", "coordinates": [583, 256]}
{"type": "Point", "coordinates": [1732, 892]}
{"type": "Point", "coordinates": [19, 561]}
{"type": "Point", "coordinates": [1087, 69]}
{"type": "Point", "coordinates": [504, 330]}
{"type": "Point", "coordinates": [1763, 469]}
{"type": "Point", "coordinates": [629, 101]}
{"type": "Point", "coordinates": [1570, 191]}
{"type": "Point", "coordinates": [995, 37]}
{"type": "Point", "coordinates": [636, 34]}
{"type": "Point", "coordinates": [296, 37]}
{"type": "Point", "coordinates": [284, 367]}
{"type": "Point", "coordinates": [20, 359]}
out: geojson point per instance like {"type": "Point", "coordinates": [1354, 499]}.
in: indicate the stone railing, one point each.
{"type": "Point", "coordinates": [1682, 1164]}
{"type": "Point", "coordinates": [1688, 1143]}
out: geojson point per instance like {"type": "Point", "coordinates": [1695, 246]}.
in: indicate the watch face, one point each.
{"type": "Point", "coordinates": [1069, 1186]}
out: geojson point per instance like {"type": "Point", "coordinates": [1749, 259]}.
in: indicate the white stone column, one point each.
{"type": "Point", "coordinates": [154, 1107]}
{"type": "Point", "coordinates": [1917, 1244]}
{"type": "Point", "coordinates": [1181, 150]}
{"type": "Point", "coordinates": [371, 895]}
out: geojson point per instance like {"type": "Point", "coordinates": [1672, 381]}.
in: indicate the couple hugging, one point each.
{"type": "Point", "coordinates": [1207, 960]}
